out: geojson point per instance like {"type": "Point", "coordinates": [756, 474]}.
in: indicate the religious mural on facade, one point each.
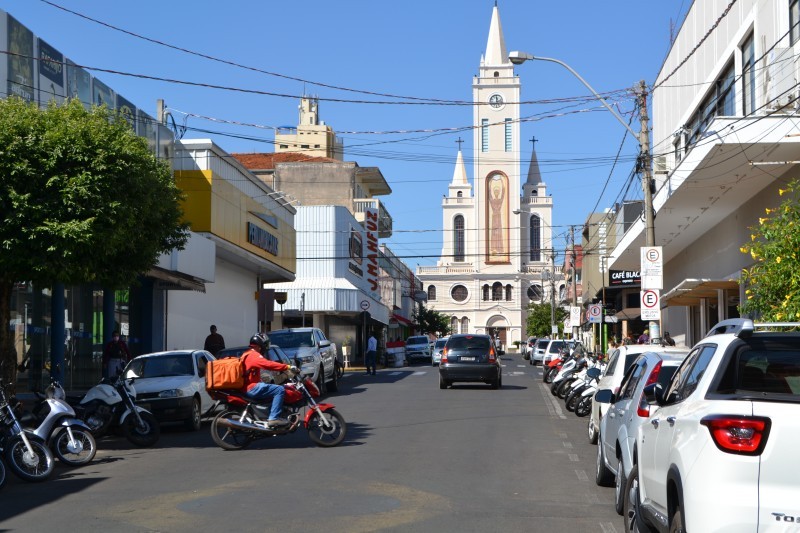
{"type": "Point", "coordinates": [497, 242]}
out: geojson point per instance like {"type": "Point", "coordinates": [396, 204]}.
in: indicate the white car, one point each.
{"type": "Point", "coordinates": [618, 363]}
{"type": "Point", "coordinates": [720, 453]}
{"type": "Point", "coordinates": [172, 385]}
{"type": "Point", "coordinates": [418, 347]}
{"type": "Point", "coordinates": [627, 410]}
{"type": "Point", "coordinates": [438, 346]}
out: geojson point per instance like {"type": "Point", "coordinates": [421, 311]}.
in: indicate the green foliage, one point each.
{"type": "Point", "coordinates": [773, 281]}
{"type": "Point", "coordinates": [539, 320]}
{"type": "Point", "coordinates": [82, 199]}
{"type": "Point", "coordinates": [431, 321]}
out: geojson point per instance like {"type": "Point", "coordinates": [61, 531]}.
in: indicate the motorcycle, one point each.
{"type": "Point", "coordinates": [589, 380]}
{"type": "Point", "coordinates": [245, 421]}
{"type": "Point", "coordinates": [27, 455]}
{"type": "Point", "coordinates": [55, 421]}
{"type": "Point", "coordinates": [112, 404]}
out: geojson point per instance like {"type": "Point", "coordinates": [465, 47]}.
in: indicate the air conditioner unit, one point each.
{"type": "Point", "coordinates": [660, 164]}
{"type": "Point", "coordinates": [781, 78]}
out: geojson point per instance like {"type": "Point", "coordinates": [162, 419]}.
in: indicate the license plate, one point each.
{"type": "Point", "coordinates": [467, 359]}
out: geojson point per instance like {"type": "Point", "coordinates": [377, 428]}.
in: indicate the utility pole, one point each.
{"type": "Point", "coordinates": [647, 186]}
{"type": "Point", "coordinates": [574, 277]}
{"type": "Point", "coordinates": [553, 292]}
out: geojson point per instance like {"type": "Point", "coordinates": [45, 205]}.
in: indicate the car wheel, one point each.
{"type": "Point", "coordinates": [443, 384]}
{"type": "Point", "coordinates": [619, 489]}
{"type": "Point", "coordinates": [631, 506]}
{"type": "Point", "coordinates": [194, 422]}
{"type": "Point", "coordinates": [602, 475]}
{"type": "Point", "coordinates": [676, 523]}
{"type": "Point", "coordinates": [592, 432]}
{"type": "Point", "coordinates": [333, 386]}
{"type": "Point", "coordinates": [320, 383]}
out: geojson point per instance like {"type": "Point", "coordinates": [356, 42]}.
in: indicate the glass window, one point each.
{"type": "Point", "coordinates": [612, 363]}
{"type": "Point", "coordinates": [453, 325]}
{"type": "Point", "coordinates": [794, 21]}
{"type": "Point", "coordinates": [484, 135]}
{"type": "Point", "coordinates": [458, 238]}
{"type": "Point", "coordinates": [536, 238]}
{"type": "Point", "coordinates": [431, 292]}
{"type": "Point", "coordinates": [688, 375]}
{"type": "Point", "coordinates": [459, 293]}
{"type": "Point", "coordinates": [508, 134]}
{"type": "Point", "coordinates": [509, 293]}
{"type": "Point", "coordinates": [465, 325]}
{"type": "Point", "coordinates": [631, 379]}
{"type": "Point", "coordinates": [497, 291]}
{"type": "Point", "coordinates": [749, 75]}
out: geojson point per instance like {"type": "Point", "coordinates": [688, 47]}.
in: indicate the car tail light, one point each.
{"type": "Point", "coordinates": [492, 355]}
{"type": "Point", "coordinates": [444, 356]}
{"type": "Point", "coordinates": [744, 435]}
{"type": "Point", "coordinates": [644, 408]}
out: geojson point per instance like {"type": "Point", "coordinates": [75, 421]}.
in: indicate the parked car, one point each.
{"type": "Point", "coordinates": [554, 347]}
{"type": "Point", "coordinates": [438, 347]}
{"type": "Point", "coordinates": [314, 353]}
{"type": "Point", "coordinates": [717, 454]}
{"type": "Point", "coordinates": [172, 385]}
{"type": "Point", "coordinates": [469, 358]}
{"type": "Point", "coordinates": [619, 362]}
{"type": "Point", "coordinates": [628, 410]}
{"type": "Point", "coordinates": [275, 353]}
{"type": "Point", "coordinates": [418, 348]}
{"type": "Point", "coordinates": [527, 347]}
{"type": "Point", "coordinates": [538, 352]}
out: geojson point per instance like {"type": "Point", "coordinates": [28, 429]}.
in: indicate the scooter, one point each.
{"type": "Point", "coordinates": [112, 403]}
{"type": "Point", "coordinates": [27, 455]}
{"type": "Point", "coordinates": [245, 421]}
{"type": "Point", "coordinates": [55, 421]}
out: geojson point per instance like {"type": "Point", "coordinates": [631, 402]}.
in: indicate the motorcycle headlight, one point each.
{"type": "Point", "coordinates": [170, 393]}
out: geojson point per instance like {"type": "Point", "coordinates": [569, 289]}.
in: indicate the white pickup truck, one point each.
{"type": "Point", "coordinates": [314, 353]}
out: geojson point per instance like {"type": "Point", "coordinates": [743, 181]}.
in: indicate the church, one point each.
{"type": "Point", "coordinates": [497, 252]}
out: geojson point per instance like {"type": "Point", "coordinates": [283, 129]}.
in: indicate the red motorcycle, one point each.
{"type": "Point", "coordinates": [245, 421]}
{"type": "Point", "coordinates": [553, 367]}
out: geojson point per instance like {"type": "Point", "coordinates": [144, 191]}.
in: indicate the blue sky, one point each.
{"type": "Point", "coordinates": [414, 48]}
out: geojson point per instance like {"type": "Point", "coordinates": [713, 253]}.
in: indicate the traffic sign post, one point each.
{"type": "Point", "coordinates": [652, 275]}
{"type": "Point", "coordinates": [650, 304]}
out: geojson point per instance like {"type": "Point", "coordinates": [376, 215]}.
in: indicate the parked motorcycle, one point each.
{"type": "Point", "coordinates": [112, 404]}
{"type": "Point", "coordinates": [54, 421]}
{"type": "Point", "coordinates": [590, 378]}
{"type": "Point", "coordinates": [2, 473]}
{"type": "Point", "coordinates": [245, 421]}
{"type": "Point", "coordinates": [27, 455]}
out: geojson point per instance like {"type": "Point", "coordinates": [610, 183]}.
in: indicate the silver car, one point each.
{"type": "Point", "coordinates": [438, 346]}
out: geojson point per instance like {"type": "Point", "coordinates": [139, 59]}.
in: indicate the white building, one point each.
{"type": "Point", "coordinates": [725, 138]}
{"type": "Point", "coordinates": [497, 252]}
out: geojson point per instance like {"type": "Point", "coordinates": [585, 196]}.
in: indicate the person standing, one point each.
{"type": "Point", "coordinates": [115, 356]}
{"type": "Point", "coordinates": [644, 338]}
{"type": "Point", "coordinates": [214, 342]}
{"type": "Point", "coordinates": [372, 349]}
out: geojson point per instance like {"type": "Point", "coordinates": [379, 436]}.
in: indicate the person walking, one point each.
{"type": "Point", "coordinates": [214, 342]}
{"type": "Point", "coordinates": [372, 350]}
{"type": "Point", "coordinates": [115, 356]}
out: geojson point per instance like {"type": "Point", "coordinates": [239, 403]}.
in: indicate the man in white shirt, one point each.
{"type": "Point", "coordinates": [372, 349]}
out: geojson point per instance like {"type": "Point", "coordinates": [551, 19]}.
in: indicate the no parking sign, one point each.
{"type": "Point", "coordinates": [650, 304]}
{"type": "Point", "coordinates": [594, 313]}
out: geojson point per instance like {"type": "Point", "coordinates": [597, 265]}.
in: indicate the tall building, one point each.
{"type": "Point", "coordinates": [497, 254]}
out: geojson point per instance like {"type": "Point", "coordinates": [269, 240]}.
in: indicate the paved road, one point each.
{"type": "Point", "coordinates": [416, 459]}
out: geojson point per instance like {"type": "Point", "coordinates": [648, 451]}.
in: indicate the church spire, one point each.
{"type": "Point", "coordinates": [534, 175]}
{"type": "Point", "coordinates": [496, 53]}
{"type": "Point", "coordinates": [460, 172]}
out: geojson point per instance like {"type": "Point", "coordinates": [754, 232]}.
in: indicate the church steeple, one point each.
{"type": "Point", "coordinates": [534, 186]}
{"type": "Point", "coordinates": [460, 173]}
{"type": "Point", "coordinates": [496, 54]}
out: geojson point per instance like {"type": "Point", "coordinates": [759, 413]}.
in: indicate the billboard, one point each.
{"type": "Point", "coordinates": [20, 60]}
{"type": "Point", "coordinates": [51, 74]}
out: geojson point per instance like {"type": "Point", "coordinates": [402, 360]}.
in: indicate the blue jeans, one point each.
{"type": "Point", "coordinates": [262, 391]}
{"type": "Point", "coordinates": [369, 361]}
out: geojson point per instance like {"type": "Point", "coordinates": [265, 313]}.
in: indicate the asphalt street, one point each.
{"type": "Point", "coordinates": [416, 458]}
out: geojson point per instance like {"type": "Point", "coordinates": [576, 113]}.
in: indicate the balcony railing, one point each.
{"type": "Point", "coordinates": [465, 268]}
{"type": "Point", "coordinates": [466, 200]}
{"type": "Point", "coordinates": [384, 218]}
{"type": "Point", "coordinates": [540, 200]}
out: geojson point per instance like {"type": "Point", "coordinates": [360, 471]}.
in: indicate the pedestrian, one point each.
{"type": "Point", "coordinates": [214, 342]}
{"type": "Point", "coordinates": [644, 338]}
{"type": "Point", "coordinates": [372, 349]}
{"type": "Point", "coordinates": [668, 341]}
{"type": "Point", "coordinates": [115, 356]}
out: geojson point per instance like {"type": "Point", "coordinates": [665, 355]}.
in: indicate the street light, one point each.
{"type": "Point", "coordinates": [518, 58]}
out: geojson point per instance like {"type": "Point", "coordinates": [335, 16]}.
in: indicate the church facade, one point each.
{"type": "Point", "coordinates": [497, 252]}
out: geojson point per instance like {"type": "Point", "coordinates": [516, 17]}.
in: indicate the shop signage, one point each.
{"type": "Point", "coordinates": [371, 225]}
{"type": "Point", "coordinates": [624, 277]}
{"type": "Point", "coordinates": [356, 248]}
{"type": "Point", "coordinates": [261, 238]}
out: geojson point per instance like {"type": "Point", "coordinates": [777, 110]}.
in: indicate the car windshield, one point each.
{"type": "Point", "coordinates": [417, 340]}
{"type": "Point", "coordinates": [555, 346]}
{"type": "Point", "coordinates": [543, 344]}
{"type": "Point", "coordinates": [440, 343]}
{"type": "Point", "coordinates": [161, 366]}
{"type": "Point", "coordinates": [763, 369]}
{"type": "Point", "coordinates": [468, 343]}
{"type": "Point", "coordinates": [292, 339]}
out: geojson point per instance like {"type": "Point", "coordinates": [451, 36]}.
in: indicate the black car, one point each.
{"type": "Point", "coordinates": [469, 358]}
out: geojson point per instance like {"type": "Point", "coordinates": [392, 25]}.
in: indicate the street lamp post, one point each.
{"type": "Point", "coordinates": [517, 58]}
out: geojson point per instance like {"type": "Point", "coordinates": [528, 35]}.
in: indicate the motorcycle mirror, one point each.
{"type": "Point", "coordinates": [593, 372]}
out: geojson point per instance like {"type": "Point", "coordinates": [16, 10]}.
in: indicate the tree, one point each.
{"type": "Point", "coordinates": [773, 282]}
{"type": "Point", "coordinates": [538, 324]}
{"type": "Point", "coordinates": [431, 321]}
{"type": "Point", "coordinates": [82, 199]}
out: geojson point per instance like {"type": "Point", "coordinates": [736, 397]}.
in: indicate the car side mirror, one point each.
{"type": "Point", "coordinates": [604, 396]}
{"type": "Point", "coordinates": [324, 344]}
{"type": "Point", "coordinates": [654, 394]}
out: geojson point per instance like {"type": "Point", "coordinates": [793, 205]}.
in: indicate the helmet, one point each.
{"type": "Point", "coordinates": [260, 340]}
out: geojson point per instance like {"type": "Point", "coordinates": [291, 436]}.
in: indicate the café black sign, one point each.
{"type": "Point", "coordinates": [624, 277]}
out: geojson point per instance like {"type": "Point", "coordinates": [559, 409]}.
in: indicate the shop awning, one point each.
{"type": "Point", "coordinates": [629, 313]}
{"type": "Point", "coordinates": [171, 280]}
{"type": "Point", "coordinates": [691, 291]}
{"type": "Point", "coordinates": [402, 320]}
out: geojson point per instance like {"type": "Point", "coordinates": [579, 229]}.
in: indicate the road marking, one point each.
{"type": "Point", "coordinates": [608, 527]}
{"type": "Point", "coordinates": [521, 366]}
{"type": "Point", "coordinates": [419, 373]}
{"type": "Point", "coordinates": [561, 435]}
{"type": "Point", "coordinates": [393, 373]}
{"type": "Point", "coordinates": [552, 405]}
{"type": "Point", "coordinates": [582, 475]}
{"type": "Point", "coordinates": [567, 445]}
{"type": "Point", "coordinates": [573, 457]}
{"type": "Point", "coordinates": [516, 373]}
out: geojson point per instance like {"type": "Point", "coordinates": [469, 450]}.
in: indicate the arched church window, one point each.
{"type": "Point", "coordinates": [458, 238]}
{"type": "Point", "coordinates": [536, 238]}
{"type": "Point", "coordinates": [535, 193]}
{"type": "Point", "coordinates": [431, 292]}
{"type": "Point", "coordinates": [486, 293]}
{"type": "Point", "coordinates": [453, 324]}
{"type": "Point", "coordinates": [509, 293]}
{"type": "Point", "coordinates": [496, 74]}
{"type": "Point", "coordinates": [465, 325]}
{"type": "Point", "coordinates": [459, 194]}
{"type": "Point", "coordinates": [497, 291]}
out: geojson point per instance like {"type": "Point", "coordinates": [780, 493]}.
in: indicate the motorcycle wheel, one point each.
{"type": "Point", "coordinates": [83, 453]}
{"type": "Point", "coordinates": [2, 473]}
{"type": "Point", "coordinates": [584, 406]}
{"type": "Point", "coordinates": [329, 436]}
{"type": "Point", "coordinates": [228, 438]}
{"type": "Point", "coordinates": [549, 374]}
{"type": "Point", "coordinates": [554, 387]}
{"type": "Point", "coordinates": [572, 400]}
{"type": "Point", "coordinates": [564, 388]}
{"type": "Point", "coordinates": [36, 466]}
{"type": "Point", "coordinates": [145, 435]}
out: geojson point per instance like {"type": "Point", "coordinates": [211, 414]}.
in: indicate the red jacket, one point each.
{"type": "Point", "coordinates": [254, 362]}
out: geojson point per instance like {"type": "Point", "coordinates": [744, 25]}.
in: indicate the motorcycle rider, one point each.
{"type": "Point", "coordinates": [254, 362]}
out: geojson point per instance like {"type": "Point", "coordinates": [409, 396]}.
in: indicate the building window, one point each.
{"type": "Point", "coordinates": [486, 293]}
{"type": "Point", "coordinates": [536, 238]}
{"type": "Point", "coordinates": [453, 324]}
{"type": "Point", "coordinates": [719, 102]}
{"type": "Point", "coordinates": [459, 194]}
{"type": "Point", "coordinates": [794, 21]}
{"type": "Point", "coordinates": [509, 293]}
{"type": "Point", "coordinates": [458, 238]}
{"type": "Point", "coordinates": [484, 135]}
{"type": "Point", "coordinates": [535, 293]}
{"type": "Point", "coordinates": [465, 325]}
{"type": "Point", "coordinates": [497, 292]}
{"type": "Point", "coordinates": [459, 293]}
{"type": "Point", "coordinates": [749, 74]}
{"type": "Point", "coordinates": [508, 134]}
{"type": "Point", "coordinates": [431, 292]}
